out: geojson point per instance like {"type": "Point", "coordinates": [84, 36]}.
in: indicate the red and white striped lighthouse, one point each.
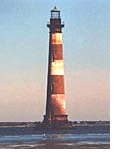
{"type": "Point", "coordinates": [55, 104]}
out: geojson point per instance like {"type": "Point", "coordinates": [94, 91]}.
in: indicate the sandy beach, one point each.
{"type": "Point", "coordinates": [53, 146]}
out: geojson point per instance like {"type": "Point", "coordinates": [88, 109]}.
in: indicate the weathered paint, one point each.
{"type": "Point", "coordinates": [56, 38]}
{"type": "Point", "coordinates": [58, 104]}
{"type": "Point", "coordinates": [57, 84]}
{"type": "Point", "coordinates": [57, 67]}
{"type": "Point", "coordinates": [57, 53]}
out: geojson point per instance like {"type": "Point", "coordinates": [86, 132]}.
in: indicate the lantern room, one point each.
{"type": "Point", "coordinates": [55, 13]}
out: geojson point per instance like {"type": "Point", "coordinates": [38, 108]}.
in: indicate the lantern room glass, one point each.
{"type": "Point", "coordinates": [55, 14]}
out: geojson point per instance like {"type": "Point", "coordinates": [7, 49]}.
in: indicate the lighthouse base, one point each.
{"type": "Point", "coordinates": [56, 122]}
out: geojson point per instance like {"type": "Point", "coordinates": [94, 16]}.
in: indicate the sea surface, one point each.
{"type": "Point", "coordinates": [79, 138]}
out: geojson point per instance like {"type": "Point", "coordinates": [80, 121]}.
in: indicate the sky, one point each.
{"type": "Point", "coordinates": [24, 44]}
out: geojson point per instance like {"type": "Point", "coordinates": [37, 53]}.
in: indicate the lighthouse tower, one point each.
{"type": "Point", "coordinates": [55, 103]}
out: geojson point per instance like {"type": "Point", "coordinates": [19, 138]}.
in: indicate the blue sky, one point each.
{"type": "Point", "coordinates": [24, 55]}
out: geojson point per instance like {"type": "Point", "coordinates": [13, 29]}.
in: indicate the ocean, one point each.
{"type": "Point", "coordinates": [79, 138]}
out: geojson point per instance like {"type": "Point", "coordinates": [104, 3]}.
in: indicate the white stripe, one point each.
{"type": "Point", "coordinates": [57, 67]}
{"type": "Point", "coordinates": [58, 101]}
{"type": "Point", "coordinates": [57, 38]}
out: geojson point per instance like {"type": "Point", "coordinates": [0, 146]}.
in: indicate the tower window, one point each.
{"type": "Point", "coordinates": [52, 87]}
{"type": "Point", "coordinates": [52, 58]}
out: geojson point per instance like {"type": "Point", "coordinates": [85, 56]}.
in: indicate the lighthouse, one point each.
{"type": "Point", "coordinates": [55, 101]}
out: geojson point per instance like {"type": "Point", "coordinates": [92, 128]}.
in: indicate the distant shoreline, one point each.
{"type": "Point", "coordinates": [33, 124]}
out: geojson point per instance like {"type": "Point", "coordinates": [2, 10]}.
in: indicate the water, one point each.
{"type": "Point", "coordinates": [60, 139]}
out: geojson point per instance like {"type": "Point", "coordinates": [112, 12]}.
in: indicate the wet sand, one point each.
{"type": "Point", "coordinates": [52, 146]}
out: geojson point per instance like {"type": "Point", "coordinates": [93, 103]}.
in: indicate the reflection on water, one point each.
{"type": "Point", "coordinates": [53, 140]}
